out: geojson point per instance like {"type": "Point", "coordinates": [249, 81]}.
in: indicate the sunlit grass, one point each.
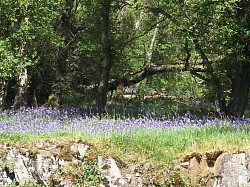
{"type": "Point", "coordinates": [160, 146]}
{"type": "Point", "coordinates": [134, 140]}
{"type": "Point", "coordinates": [167, 145]}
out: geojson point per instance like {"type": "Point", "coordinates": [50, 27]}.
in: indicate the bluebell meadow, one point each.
{"type": "Point", "coordinates": [44, 120]}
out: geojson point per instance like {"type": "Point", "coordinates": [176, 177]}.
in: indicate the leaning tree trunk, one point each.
{"type": "Point", "coordinates": [213, 80]}
{"type": "Point", "coordinates": [149, 51]}
{"type": "Point", "coordinates": [106, 64]}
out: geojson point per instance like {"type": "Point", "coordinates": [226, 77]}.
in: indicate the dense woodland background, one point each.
{"type": "Point", "coordinates": [180, 55]}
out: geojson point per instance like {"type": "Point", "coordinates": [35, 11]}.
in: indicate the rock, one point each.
{"type": "Point", "coordinates": [82, 148]}
{"type": "Point", "coordinates": [108, 167]}
{"type": "Point", "coordinates": [22, 173]}
{"type": "Point", "coordinates": [110, 171]}
{"type": "Point", "coordinates": [194, 165]}
{"type": "Point", "coordinates": [183, 171]}
{"type": "Point", "coordinates": [66, 183]}
{"type": "Point", "coordinates": [4, 178]}
{"type": "Point", "coordinates": [194, 177]}
{"type": "Point", "coordinates": [205, 170]}
{"type": "Point", "coordinates": [24, 151]}
{"type": "Point", "coordinates": [79, 150]}
{"type": "Point", "coordinates": [43, 167]}
{"type": "Point", "coordinates": [137, 174]}
{"type": "Point", "coordinates": [194, 170]}
{"type": "Point", "coordinates": [232, 170]}
{"type": "Point", "coordinates": [52, 165]}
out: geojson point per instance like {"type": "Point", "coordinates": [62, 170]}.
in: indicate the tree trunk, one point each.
{"type": "Point", "coordinates": [65, 30]}
{"type": "Point", "coordinates": [106, 64]}
{"type": "Point", "coordinates": [240, 90]}
{"type": "Point", "coordinates": [138, 21]}
{"type": "Point", "coordinates": [241, 68]}
{"type": "Point", "coordinates": [21, 94]}
{"type": "Point", "coordinates": [22, 77]}
{"type": "Point", "coordinates": [239, 99]}
{"type": "Point", "coordinates": [149, 52]}
{"type": "Point", "coordinates": [213, 78]}
{"type": "Point", "coordinates": [3, 92]}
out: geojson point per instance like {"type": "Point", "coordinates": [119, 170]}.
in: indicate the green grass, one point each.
{"type": "Point", "coordinates": [159, 147]}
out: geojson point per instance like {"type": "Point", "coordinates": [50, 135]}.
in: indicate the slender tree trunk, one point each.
{"type": "Point", "coordinates": [138, 21]}
{"type": "Point", "coordinates": [22, 77]}
{"type": "Point", "coordinates": [106, 64]}
{"type": "Point", "coordinates": [32, 100]}
{"type": "Point", "coordinates": [21, 94]}
{"type": "Point", "coordinates": [150, 49]}
{"type": "Point", "coordinates": [22, 81]}
{"type": "Point", "coordinates": [3, 92]}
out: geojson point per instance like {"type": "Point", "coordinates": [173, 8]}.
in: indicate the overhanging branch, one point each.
{"type": "Point", "coordinates": [136, 77]}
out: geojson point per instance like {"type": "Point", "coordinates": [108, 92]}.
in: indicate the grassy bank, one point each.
{"type": "Point", "coordinates": [158, 141]}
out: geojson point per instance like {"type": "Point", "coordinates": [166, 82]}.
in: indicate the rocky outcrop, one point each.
{"type": "Point", "coordinates": [65, 165]}
{"type": "Point", "coordinates": [77, 163]}
{"type": "Point", "coordinates": [228, 170]}
{"type": "Point", "coordinates": [232, 170]}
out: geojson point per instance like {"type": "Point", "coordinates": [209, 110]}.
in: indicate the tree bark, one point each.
{"type": "Point", "coordinates": [149, 52]}
{"type": "Point", "coordinates": [21, 94]}
{"type": "Point", "coordinates": [106, 64]}
{"type": "Point", "coordinates": [240, 90]}
{"type": "Point", "coordinates": [65, 30]}
{"type": "Point", "coordinates": [22, 81]}
{"type": "Point", "coordinates": [241, 68]}
{"type": "Point", "coordinates": [3, 92]}
{"type": "Point", "coordinates": [136, 77]}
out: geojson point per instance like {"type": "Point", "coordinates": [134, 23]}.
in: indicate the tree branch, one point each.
{"type": "Point", "coordinates": [157, 10]}
{"type": "Point", "coordinates": [138, 76]}
{"type": "Point", "coordinates": [204, 57]}
{"type": "Point", "coordinates": [195, 73]}
{"type": "Point", "coordinates": [187, 64]}
{"type": "Point", "coordinates": [145, 32]}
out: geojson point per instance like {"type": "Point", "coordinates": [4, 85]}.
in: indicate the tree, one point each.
{"type": "Point", "coordinates": [215, 37]}
{"type": "Point", "coordinates": [107, 55]}
{"type": "Point", "coordinates": [47, 47]}
{"type": "Point", "coordinates": [231, 20]}
{"type": "Point", "coordinates": [16, 36]}
{"type": "Point", "coordinates": [67, 33]}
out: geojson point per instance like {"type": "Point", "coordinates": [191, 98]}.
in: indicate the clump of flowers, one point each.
{"type": "Point", "coordinates": [74, 120]}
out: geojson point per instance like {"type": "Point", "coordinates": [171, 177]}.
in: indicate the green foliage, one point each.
{"type": "Point", "coordinates": [8, 60]}
{"type": "Point", "coordinates": [159, 147]}
{"type": "Point", "coordinates": [177, 179]}
{"type": "Point", "coordinates": [34, 35]}
{"type": "Point", "coordinates": [80, 100]}
{"type": "Point", "coordinates": [22, 30]}
{"type": "Point", "coordinates": [91, 173]}
{"type": "Point", "coordinates": [7, 164]}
